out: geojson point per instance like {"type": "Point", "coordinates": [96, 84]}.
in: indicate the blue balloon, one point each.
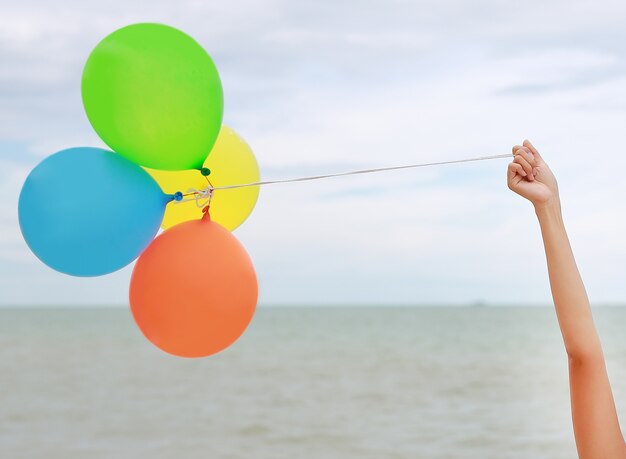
{"type": "Point", "coordinates": [88, 211]}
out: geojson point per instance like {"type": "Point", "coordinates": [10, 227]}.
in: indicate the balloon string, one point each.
{"type": "Point", "coordinates": [205, 195]}
{"type": "Point", "coordinates": [201, 197]}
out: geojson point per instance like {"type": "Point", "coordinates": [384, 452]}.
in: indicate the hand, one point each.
{"type": "Point", "coordinates": [530, 177]}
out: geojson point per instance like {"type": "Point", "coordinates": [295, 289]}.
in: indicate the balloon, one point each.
{"type": "Point", "coordinates": [87, 211]}
{"type": "Point", "coordinates": [231, 162]}
{"type": "Point", "coordinates": [153, 95]}
{"type": "Point", "coordinates": [193, 291]}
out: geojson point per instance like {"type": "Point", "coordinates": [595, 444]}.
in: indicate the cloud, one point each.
{"type": "Point", "coordinates": [330, 86]}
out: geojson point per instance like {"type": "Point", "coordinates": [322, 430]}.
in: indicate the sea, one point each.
{"type": "Point", "coordinates": [302, 382]}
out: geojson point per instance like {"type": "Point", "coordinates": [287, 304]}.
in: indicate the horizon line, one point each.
{"type": "Point", "coordinates": [474, 304]}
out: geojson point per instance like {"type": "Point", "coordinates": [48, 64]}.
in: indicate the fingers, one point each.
{"type": "Point", "coordinates": [530, 146]}
{"type": "Point", "coordinates": [525, 163]}
{"type": "Point", "coordinates": [519, 149]}
{"type": "Point", "coordinates": [519, 159]}
{"type": "Point", "coordinates": [514, 169]}
{"type": "Point", "coordinates": [528, 156]}
{"type": "Point", "coordinates": [526, 159]}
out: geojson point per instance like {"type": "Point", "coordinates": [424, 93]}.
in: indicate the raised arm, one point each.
{"type": "Point", "coordinates": [596, 426]}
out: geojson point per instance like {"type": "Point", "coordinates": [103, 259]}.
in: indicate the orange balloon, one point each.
{"type": "Point", "coordinates": [194, 291]}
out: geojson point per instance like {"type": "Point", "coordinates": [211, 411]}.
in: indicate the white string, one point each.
{"type": "Point", "coordinates": [207, 193]}
{"type": "Point", "coordinates": [202, 197]}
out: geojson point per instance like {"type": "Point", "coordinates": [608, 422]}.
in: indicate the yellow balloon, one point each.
{"type": "Point", "coordinates": [231, 162]}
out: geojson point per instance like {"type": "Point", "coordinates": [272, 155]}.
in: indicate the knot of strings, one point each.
{"type": "Point", "coordinates": [203, 197]}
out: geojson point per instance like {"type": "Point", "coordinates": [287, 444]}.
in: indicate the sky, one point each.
{"type": "Point", "coordinates": [327, 86]}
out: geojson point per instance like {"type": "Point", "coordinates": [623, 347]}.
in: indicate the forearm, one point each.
{"type": "Point", "coordinates": [568, 290]}
{"type": "Point", "coordinates": [596, 426]}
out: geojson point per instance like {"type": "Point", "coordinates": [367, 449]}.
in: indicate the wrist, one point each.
{"type": "Point", "coordinates": [549, 210]}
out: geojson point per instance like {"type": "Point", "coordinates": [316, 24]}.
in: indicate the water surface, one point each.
{"type": "Point", "coordinates": [361, 383]}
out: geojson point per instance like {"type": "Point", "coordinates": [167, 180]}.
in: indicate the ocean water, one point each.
{"type": "Point", "coordinates": [451, 382]}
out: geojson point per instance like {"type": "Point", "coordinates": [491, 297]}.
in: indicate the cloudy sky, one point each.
{"type": "Point", "coordinates": [328, 86]}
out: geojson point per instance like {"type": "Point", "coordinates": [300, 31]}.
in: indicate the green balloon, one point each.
{"type": "Point", "coordinates": [154, 96]}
